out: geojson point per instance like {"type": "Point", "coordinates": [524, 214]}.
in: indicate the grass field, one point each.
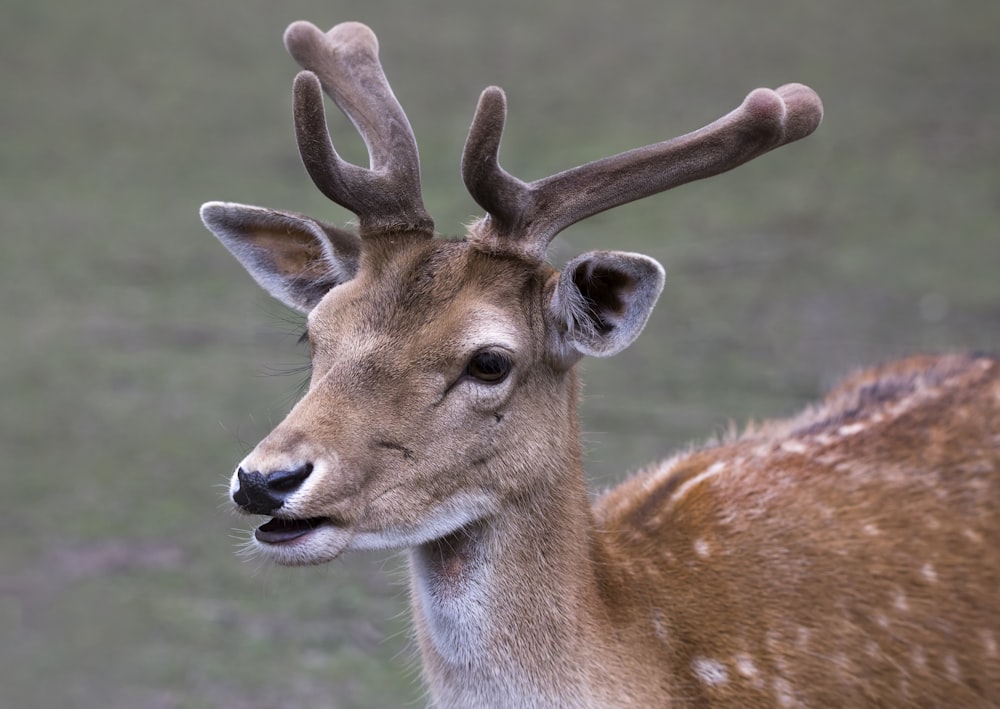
{"type": "Point", "coordinates": [136, 355]}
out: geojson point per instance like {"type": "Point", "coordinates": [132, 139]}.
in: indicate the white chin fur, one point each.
{"type": "Point", "coordinates": [319, 546]}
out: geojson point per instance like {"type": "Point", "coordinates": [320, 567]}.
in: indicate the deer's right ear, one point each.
{"type": "Point", "coordinates": [602, 301]}
{"type": "Point", "coordinates": [294, 258]}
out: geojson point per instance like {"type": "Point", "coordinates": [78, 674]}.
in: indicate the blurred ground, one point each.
{"type": "Point", "coordinates": [133, 346]}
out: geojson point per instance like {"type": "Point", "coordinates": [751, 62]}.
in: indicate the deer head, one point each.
{"type": "Point", "coordinates": [442, 385]}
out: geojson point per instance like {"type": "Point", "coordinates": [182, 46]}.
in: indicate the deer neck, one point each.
{"type": "Point", "coordinates": [506, 608]}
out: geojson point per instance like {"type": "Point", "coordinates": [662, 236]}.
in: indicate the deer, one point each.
{"type": "Point", "coordinates": [847, 556]}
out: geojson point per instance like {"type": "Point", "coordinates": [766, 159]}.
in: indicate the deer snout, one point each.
{"type": "Point", "coordinates": [263, 493]}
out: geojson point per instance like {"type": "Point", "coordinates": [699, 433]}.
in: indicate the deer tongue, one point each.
{"type": "Point", "coordinates": [281, 531]}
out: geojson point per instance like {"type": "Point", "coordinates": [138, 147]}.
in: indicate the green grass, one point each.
{"type": "Point", "coordinates": [134, 347]}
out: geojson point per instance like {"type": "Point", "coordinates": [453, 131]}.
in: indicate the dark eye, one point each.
{"type": "Point", "coordinates": [489, 367]}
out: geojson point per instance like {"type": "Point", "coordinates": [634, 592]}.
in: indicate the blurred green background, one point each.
{"type": "Point", "coordinates": [136, 355]}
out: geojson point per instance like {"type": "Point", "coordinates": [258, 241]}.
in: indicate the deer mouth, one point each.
{"type": "Point", "coordinates": [284, 531]}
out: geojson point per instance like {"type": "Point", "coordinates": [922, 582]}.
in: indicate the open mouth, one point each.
{"type": "Point", "coordinates": [283, 531]}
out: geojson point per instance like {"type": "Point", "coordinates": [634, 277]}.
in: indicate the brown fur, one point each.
{"type": "Point", "coordinates": [849, 556]}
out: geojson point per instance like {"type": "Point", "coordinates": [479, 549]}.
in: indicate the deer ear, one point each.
{"type": "Point", "coordinates": [602, 301]}
{"type": "Point", "coordinates": [296, 259]}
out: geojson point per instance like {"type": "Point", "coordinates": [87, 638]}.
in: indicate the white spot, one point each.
{"type": "Point", "coordinates": [951, 667]}
{"type": "Point", "coordinates": [929, 573]}
{"type": "Point", "coordinates": [702, 548]}
{"type": "Point", "coordinates": [972, 535]}
{"type": "Point", "coordinates": [709, 472]}
{"type": "Point", "coordinates": [802, 641]}
{"type": "Point", "coordinates": [882, 620]}
{"type": "Point", "coordinates": [933, 523]}
{"type": "Point", "coordinates": [989, 642]}
{"type": "Point", "coordinates": [783, 692]}
{"type": "Point", "coordinates": [659, 627]}
{"type": "Point", "coordinates": [794, 447]}
{"type": "Point", "coordinates": [716, 467]}
{"type": "Point", "coordinates": [871, 530]}
{"type": "Point", "coordinates": [919, 656]}
{"type": "Point", "coordinates": [745, 666]}
{"type": "Point", "coordinates": [899, 601]}
{"type": "Point", "coordinates": [850, 429]}
{"type": "Point", "coordinates": [711, 672]}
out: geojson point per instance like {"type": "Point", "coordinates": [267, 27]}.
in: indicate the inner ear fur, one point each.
{"type": "Point", "coordinates": [295, 258]}
{"type": "Point", "coordinates": [602, 301]}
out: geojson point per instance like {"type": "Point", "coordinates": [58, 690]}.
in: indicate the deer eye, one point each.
{"type": "Point", "coordinates": [489, 367]}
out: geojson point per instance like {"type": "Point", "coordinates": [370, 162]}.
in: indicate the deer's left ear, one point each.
{"type": "Point", "coordinates": [293, 257]}
{"type": "Point", "coordinates": [602, 301]}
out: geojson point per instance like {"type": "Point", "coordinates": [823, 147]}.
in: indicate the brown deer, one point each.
{"type": "Point", "coordinates": [847, 557]}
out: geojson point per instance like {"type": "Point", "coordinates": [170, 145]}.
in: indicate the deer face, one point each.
{"type": "Point", "coordinates": [438, 384]}
{"type": "Point", "coordinates": [412, 402]}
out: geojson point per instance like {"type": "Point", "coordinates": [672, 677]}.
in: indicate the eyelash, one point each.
{"type": "Point", "coordinates": [489, 367]}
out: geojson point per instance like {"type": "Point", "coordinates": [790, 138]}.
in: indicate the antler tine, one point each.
{"type": "Point", "coordinates": [506, 199]}
{"type": "Point", "coordinates": [344, 61]}
{"type": "Point", "coordinates": [531, 214]}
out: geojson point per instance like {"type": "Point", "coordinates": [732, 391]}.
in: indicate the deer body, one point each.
{"type": "Point", "coordinates": [847, 557]}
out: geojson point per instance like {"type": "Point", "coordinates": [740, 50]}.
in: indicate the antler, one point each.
{"type": "Point", "coordinates": [527, 216]}
{"type": "Point", "coordinates": [385, 197]}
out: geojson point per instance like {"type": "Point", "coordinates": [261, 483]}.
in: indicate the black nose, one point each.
{"type": "Point", "coordinates": [262, 494]}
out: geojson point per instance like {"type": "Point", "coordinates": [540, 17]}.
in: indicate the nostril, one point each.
{"type": "Point", "coordinates": [252, 494]}
{"type": "Point", "coordinates": [284, 482]}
